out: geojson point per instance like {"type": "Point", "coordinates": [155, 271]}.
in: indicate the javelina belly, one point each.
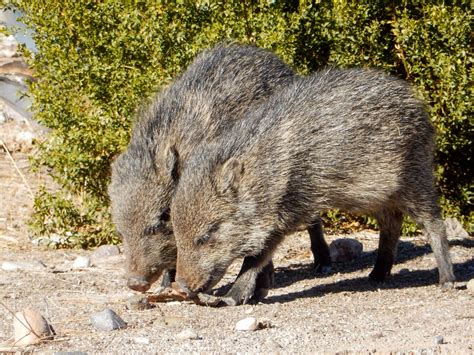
{"type": "Point", "coordinates": [355, 139]}
{"type": "Point", "coordinates": [212, 94]}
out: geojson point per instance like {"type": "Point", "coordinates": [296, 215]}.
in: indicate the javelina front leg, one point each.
{"type": "Point", "coordinates": [319, 247]}
{"type": "Point", "coordinates": [168, 278]}
{"type": "Point", "coordinates": [166, 281]}
{"type": "Point", "coordinates": [249, 285]}
{"type": "Point", "coordinates": [253, 280]}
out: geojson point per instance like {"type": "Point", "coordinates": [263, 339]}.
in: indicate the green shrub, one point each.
{"type": "Point", "coordinates": [98, 60]}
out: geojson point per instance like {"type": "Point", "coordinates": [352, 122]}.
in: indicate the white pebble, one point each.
{"type": "Point", "coordinates": [141, 340]}
{"type": "Point", "coordinates": [187, 334]}
{"type": "Point", "coordinates": [470, 286]}
{"type": "Point", "coordinates": [173, 303]}
{"type": "Point", "coordinates": [438, 339]}
{"type": "Point", "coordinates": [249, 310]}
{"type": "Point", "coordinates": [25, 137]}
{"type": "Point", "coordinates": [23, 265]}
{"type": "Point", "coordinates": [81, 262]}
{"type": "Point", "coordinates": [30, 328]}
{"type": "Point", "coordinates": [247, 324]}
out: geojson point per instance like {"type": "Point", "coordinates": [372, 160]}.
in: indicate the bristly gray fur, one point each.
{"type": "Point", "coordinates": [355, 139]}
{"type": "Point", "coordinates": [212, 94]}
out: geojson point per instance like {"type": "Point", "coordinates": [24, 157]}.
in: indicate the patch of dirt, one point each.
{"type": "Point", "coordinates": [337, 313]}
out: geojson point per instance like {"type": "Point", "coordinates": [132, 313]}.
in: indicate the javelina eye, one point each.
{"type": "Point", "coordinates": [203, 239]}
{"type": "Point", "coordinates": [154, 229]}
{"type": "Point", "coordinates": [165, 215]}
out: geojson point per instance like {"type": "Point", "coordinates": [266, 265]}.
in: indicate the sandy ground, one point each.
{"type": "Point", "coordinates": [305, 313]}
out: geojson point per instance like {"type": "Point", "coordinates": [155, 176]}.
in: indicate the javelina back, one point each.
{"type": "Point", "coordinates": [212, 94]}
{"type": "Point", "coordinates": [357, 140]}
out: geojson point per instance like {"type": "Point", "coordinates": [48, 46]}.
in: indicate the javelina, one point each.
{"type": "Point", "coordinates": [212, 94]}
{"type": "Point", "coordinates": [357, 140]}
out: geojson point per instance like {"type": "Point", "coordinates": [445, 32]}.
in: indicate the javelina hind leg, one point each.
{"type": "Point", "coordinates": [436, 230]}
{"type": "Point", "coordinates": [319, 247]}
{"type": "Point", "coordinates": [390, 224]}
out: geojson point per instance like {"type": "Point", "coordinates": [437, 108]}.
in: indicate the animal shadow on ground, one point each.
{"type": "Point", "coordinates": [286, 276]}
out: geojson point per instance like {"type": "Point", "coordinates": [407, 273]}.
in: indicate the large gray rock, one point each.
{"type": "Point", "coordinates": [345, 249]}
{"type": "Point", "coordinates": [102, 253]}
{"type": "Point", "coordinates": [454, 229]}
{"type": "Point", "coordinates": [107, 320]}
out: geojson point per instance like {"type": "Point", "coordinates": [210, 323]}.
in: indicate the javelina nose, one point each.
{"type": "Point", "coordinates": [138, 283]}
{"type": "Point", "coordinates": [184, 287]}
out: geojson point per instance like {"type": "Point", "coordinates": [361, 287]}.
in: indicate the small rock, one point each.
{"type": "Point", "coordinates": [25, 138]}
{"type": "Point", "coordinates": [345, 249]}
{"type": "Point", "coordinates": [169, 321]}
{"type": "Point", "coordinates": [107, 320]}
{"type": "Point", "coordinates": [376, 335]}
{"type": "Point", "coordinates": [141, 340]}
{"type": "Point", "coordinates": [454, 229]}
{"type": "Point", "coordinates": [9, 46]}
{"type": "Point", "coordinates": [30, 327]}
{"type": "Point", "coordinates": [9, 239]}
{"type": "Point", "coordinates": [247, 324]}
{"type": "Point", "coordinates": [188, 334]}
{"type": "Point", "coordinates": [470, 286]}
{"type": "Point", "coordinates": [438, 339]}
{"type": "Point", "coordinates": [138, 303]}
{"type": "Point", "coordinates": [104, 252]}
{"type": "Point", "coordinates": [173, 303]}
{"type": "Point", "coordinates": [23, 265]}
{"type": "Point", "coordinates": [3, 117]}
{"type": "Point", "coordinates": [81, 262]}
{"type": "Point", "coordinates": [249, 310]}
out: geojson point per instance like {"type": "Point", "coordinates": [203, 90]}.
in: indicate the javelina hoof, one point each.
{"type": "Point", "coordinates": [138, 283]}
{"type": "Point", "coordinates": [446, 286]}
{"type": "Point", "coordinates": [265, 281]}
{"type": "Point", "coordinates": [215, 301]}
{"type": "Point", "coordinates": [378, 276]}
{"type": "Point", "coordinates": [323, 269]}
{"type": "Point", "coordinates": [260, 294]}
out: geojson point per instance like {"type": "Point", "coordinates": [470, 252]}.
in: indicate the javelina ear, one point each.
{"type": "Point", "coordinates": [229, 177]}
{"type": "Point", "coordinates": [169, 164]}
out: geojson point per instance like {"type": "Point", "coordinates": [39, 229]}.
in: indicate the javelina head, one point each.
{"type": "Point", "coordinates": [140, 193]}
{"type": "Point", "coordinates": [209, 216]}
